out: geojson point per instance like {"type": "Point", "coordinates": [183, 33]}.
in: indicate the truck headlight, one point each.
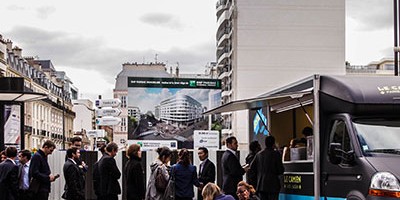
{"type": "Point", "coordinates": [384, 184]}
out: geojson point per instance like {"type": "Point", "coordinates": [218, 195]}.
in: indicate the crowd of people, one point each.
{"type": "Point", "coordinates": [31, 178]}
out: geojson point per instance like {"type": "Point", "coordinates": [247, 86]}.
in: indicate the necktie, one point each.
{"type": "Point", "coordinates": [201, 168]}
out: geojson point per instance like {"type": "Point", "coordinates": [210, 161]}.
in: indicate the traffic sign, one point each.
{"type": "Point", "coordinates": [108, 121]}
{"type": "Point", "coordinates": [108, 103]}
{"type": "Point", "coordinates": [95, 133]}
{"type": "Point", "coordinates": [114, 112]}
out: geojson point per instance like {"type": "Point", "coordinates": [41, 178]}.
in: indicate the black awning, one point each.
{"type": "Point", "coordinates": [12, 89]}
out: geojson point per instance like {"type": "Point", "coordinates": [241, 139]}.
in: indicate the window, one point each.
{"type": "Point", "coordinates": [339, 134]}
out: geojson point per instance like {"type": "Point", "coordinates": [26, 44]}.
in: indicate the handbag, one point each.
{"type": "Point", "coordinates": [170, 190]}
{"type": "Point", "coordinates": [160, 181]}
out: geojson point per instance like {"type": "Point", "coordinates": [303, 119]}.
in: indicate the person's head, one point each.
{"type": "Point", "coordinates": [255, 147]}
{"type": "Point", "coordinates": [134, 151]}
{"type": "Point", "coordinates": [164, 154]}
{"type": "Point", "coordinates": [203, 153]}
{"type": "Point", "coordinates": [244, 190]}
{"type": "Point", "coordinates": [3, 156]}
{"type": "Point", "coordinates": [11, 152]}
{"type": "Point", "coordinates": [269, 142]}
{"type": "Point", "coordinates": [48, 147]}
{"type": "Point", "coordinates": [231, 143]}
{"type": "Point", "coordinates": [24, 156]}
{"type": "Point", "coordinates": [73, 153]}
{"type": "Point", "coordinates": [307, 131]}
{"type": "Point", "coordinates": [112, 149]}
{"type": "Point", "coordinates": [76, 142]}
{"type": "Point", "coordinates": [210, 191]}
{"type": "Point", "coordinates": [184, 157]}
{"type": "Point", "coordinates": [102, 148]}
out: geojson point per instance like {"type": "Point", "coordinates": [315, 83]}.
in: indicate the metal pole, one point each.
{"type": "Point", "coordinates": [395, 28]}
{"type": "Point", "coordinates": [63, 116]}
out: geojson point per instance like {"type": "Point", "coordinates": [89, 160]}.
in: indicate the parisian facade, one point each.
{"type": "Point", "coordinates": [261, 45]}
{"type": "Point", "coordinates": [49, 118]}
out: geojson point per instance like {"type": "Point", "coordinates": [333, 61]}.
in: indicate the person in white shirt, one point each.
{"type": "Point", "coordinates": [24, 157]}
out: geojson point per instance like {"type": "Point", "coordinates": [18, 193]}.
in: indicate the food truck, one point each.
{"type": "Point", "coordinates": [354, 152]}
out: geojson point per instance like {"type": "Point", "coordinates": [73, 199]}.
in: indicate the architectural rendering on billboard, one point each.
{"type": "Point", "coordinates": [170, 108]}
{"type": "Point", "coordinates": [258, 120]}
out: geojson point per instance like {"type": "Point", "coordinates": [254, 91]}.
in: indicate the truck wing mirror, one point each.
{"type": "Point", "coordinates": [337, 155]}
{"type": "Point", "coordinates": [334, 153]}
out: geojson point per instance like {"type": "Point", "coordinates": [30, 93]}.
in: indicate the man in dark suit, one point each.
{"type": "Point", "coordinates": [206, 170]}
{"type": "Point", "coordinates": [109, 174]}
{"type": "Point", "coordinates": [267, 166]}
{"type": "Point", "coordinates": [39, 171]}
{"type": "Point", "coordinates": [232, 171]}
{"type": "Point", "coordinates": [9, 175]}
{"type": "Point", "coordinates": [24, 157]}
{"type": "Point", "coordinates": [96, 173]}
{"type": "Point", "coordinates": [74, 178]}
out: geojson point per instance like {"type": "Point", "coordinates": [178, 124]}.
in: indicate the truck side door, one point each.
{"type": "Point", "coordinates": [342, 176]}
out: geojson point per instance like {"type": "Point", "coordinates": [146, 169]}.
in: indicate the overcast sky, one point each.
{"type": "Point", "coordinates": [90, 39]}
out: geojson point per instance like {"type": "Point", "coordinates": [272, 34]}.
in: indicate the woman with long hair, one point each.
{"type": "Point", "coordinates": [160, 164]}
{"type": "Point", "coordinates": [185, 176]}
{"type": "Point", "coordinates": [211, 191]}
{"type": "Point", "coordinates": [134, 174]}
{"type": "Point", "coordinates": [246, 191]}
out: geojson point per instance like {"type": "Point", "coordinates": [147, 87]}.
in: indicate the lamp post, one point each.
{"type": "Point", "coordinates": [396, 36]}
{"type": "Point", "coordinates": [63, 116]}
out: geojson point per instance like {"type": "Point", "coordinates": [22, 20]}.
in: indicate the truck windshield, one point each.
{"type": "Point", "coordinates": [378, 136]}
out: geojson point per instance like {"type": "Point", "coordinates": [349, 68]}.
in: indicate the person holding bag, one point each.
{"type": "Point", "coordinates": [159, 175]}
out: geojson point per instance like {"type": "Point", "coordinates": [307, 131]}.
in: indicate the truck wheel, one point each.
{"type": "Point", "coordinates": [355, 195]}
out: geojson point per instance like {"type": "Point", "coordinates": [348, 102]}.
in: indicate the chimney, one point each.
{"type": "Point", "coordinates": [17, 51]}
{"type": "Point", "coordinates": [177, 71]}
{"type": "Point", "coordinates": [9, 45]}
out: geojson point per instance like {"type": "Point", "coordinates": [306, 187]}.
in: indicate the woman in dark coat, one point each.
{"type": "Point", "coordinates": [134, 174]}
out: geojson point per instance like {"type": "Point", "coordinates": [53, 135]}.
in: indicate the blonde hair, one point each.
{"type": "Point", "coordinates": [210, 191]}
{"type": "Point", "coordinates": [133, 150]}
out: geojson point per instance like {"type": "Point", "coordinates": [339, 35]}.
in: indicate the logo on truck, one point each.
{"type": "Point", "coordinates": [389, 89]}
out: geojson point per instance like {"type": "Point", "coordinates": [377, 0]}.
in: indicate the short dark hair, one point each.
{"type": "Point", "coordinates": [102, 148]}
{"type": "Point", "coordinates": [76, 139]}
{"type": "Point", "coordinates": [49, 144]}
{"type": "Point", "coordinates": [112, 146]}
{"type": "Point", "coordinates": [307, 131]}
{"type": "Point", "coordinates": [71, 151]}
{"type": "Point", "coordinates": [11, 152]}
{"type": "Point", "coordinates": [230, 139]}
{"type": "Point", "coordinates": [255, 146]}
{"type": "Point", "coordinates": [204, 149]}
{"type": "Point", "coordinates": [26, 153]}
{"type": "Point", "coordinates": [269, 141]}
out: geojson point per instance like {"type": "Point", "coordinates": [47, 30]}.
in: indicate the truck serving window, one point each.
{"type": "Point", "coordinates": [378, 136]}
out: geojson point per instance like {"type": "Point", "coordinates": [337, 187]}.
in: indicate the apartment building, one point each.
{"type": "Point", "coordinates": [261, 45]}
{"type": "Point", "coordinates": [49, 118]}
{"type": "Point", "coordinates": [382, 67]}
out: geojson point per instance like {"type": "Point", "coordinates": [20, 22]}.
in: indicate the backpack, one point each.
{"type": "Point", "coordinates": [160, 181]}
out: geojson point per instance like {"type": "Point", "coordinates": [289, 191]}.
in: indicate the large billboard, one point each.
{"type": "Point", "coordinates": [170, 108]}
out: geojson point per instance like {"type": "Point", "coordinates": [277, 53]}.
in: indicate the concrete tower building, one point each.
{"type": "Point", "coordinates": [263, 44]}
